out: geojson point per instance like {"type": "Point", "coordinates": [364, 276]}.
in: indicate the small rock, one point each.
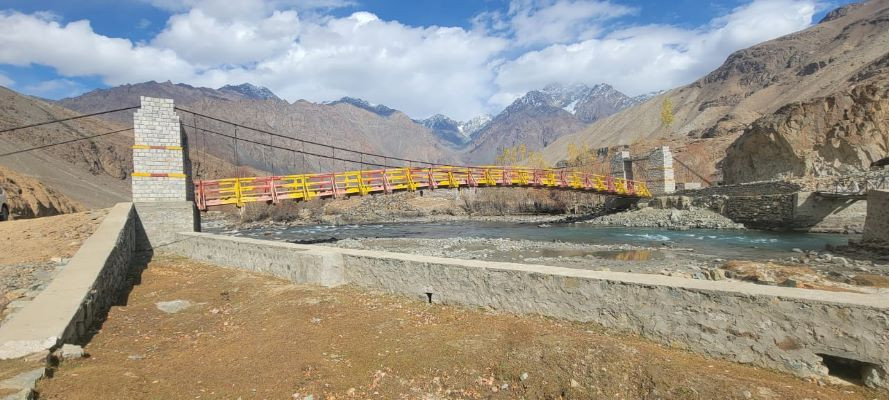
{"type": "Point", "coordinates": [135, 357]}
{"type": "Point", "coordinates": [797, 250]}
{"type": "Point", "coordinates": [504, 386]}
{"type": "Point", "coordinates": [575, 384]}
{"type": "Point", "coordinates": [70, 352]}
{"type": "Point", "coordinates": [524, 376]}
{"type": "Point", "coordinates": [173, 307]}
{"type": "Point", "coordinates": [316, 320]}
{"type": "Point", "coordinates": [872, 376]}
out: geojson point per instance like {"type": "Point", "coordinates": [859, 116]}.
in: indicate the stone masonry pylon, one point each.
{"type": "Point", "coordinates": [162, 188]}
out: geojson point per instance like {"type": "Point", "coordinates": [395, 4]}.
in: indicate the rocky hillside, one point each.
{"type": "Point", "coordinates": [830, 135]}
{"type": "Point", "coordinates": [91, 172]}
{"type": "Point", "coordinates": [541, 116]}
{"type": "Point", "coordinates": [752, 82]}
{"type": "Point", "coordinates": [28, 198]}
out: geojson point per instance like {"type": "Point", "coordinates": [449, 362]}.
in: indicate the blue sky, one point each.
{"type": "Point", "coordinates": [460, 58]}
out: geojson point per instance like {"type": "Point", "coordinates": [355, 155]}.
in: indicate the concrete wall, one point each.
{"type": "Point", "coordinates": [876, 229]}
{"type": "Point", "coordinates": [159, 222]}
{"type": "Point", "coordinates": [782, 328]}
{"type": "Point", "coordinates": [81, 294]}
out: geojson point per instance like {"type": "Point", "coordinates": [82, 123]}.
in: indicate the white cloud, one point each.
{"type": "Point", "coordinates": [207, 41]}
{"type": "Point", "coordinates": [534, 22]}
{"type": "Point", "coordinates": [234, 7]}
{"type": "Point", "coordinates": [6, 81]}
{"type": "Point", "coordinates": [286, 46]}
{"type": "Point", "coordinates": [419, 70]}
{"type": "Point", "coordinates": [75, 50]}
{"type": "Point", "coordinates": [641, 59]}
{"type": "Point", "coordinates": [54, 88]}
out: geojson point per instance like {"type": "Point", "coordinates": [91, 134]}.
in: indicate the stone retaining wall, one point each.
{"type": "Point", "coordinates": [81, 294]}
{"type": "Point", "coordinates": [791, 210]}
{"type": "Point", "coordinates": [775, 327]}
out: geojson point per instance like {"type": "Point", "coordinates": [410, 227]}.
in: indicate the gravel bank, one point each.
{"type": "Point", "coordinates": [667, 218]}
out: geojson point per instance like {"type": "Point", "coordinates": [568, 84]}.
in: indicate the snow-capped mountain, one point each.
{"type": "Point", "coordinates": [378, 109]}
{"type": "Point", "coordinates": [587, 103]}
{"type": "Point", "coordinates": [445, 128]}
{"type": "Point", "coordinates": [250, 91]}
{"type": "Point", "coordinates": [471, 127]}
{"type": "Point", "coordinates": [542, 116]}
{"type": "Point", "coordinates": [644, 97]}
{"type": "Point", "coordinates": [454, 132]}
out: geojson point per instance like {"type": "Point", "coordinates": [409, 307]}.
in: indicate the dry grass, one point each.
{"type": "Point", "coordinates": [40, 239]}
{"type": "Point", "coordinates": [254, 337]}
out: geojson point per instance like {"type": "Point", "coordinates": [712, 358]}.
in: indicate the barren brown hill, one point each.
{"type": "Point", "coordinates": [29, 198]}
{"type": "Point", "coordinates": [753, 82]}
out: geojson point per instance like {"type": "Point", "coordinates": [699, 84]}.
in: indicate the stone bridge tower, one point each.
{"type": "Point", "coordinates": [163, 192]}
{"type": "Point", "coordinates": [658, 169]}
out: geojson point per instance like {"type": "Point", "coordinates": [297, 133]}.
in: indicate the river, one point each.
{"type": "Point", "coordinates": [741, 244]}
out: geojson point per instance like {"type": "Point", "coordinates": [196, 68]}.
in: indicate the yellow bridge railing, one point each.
{"type": "Point", "coordinates": [273, 189]}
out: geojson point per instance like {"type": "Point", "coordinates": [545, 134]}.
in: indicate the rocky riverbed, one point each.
{"type": "Point", "coordinates": [694, 218]}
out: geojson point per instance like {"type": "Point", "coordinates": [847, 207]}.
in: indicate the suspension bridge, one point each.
{"type": "Point", "coordinates": [273, 189]}
{"type": "Point", "coordinates": [385, 179]}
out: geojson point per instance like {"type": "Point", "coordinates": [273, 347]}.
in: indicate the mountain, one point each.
{"type": "Point", "coordinates": [588, 103]}
{"type": "Point", "coordinates": [541, 116]}
{"type": "Point", "coordinates": [446, 129]}
{"type": "Point", "coordinates": [249, 91]}
{"type": "Point", "coordinates": [533, 120]}
{"type": "Point", "coordinates": [646, 96]}
{"type": "Point", "coordinates": [347, 123]}
{"type": "Point", "coordinates": [454, 132]}
{"type": "Point", "coordinates": [128, 95]}
{"type": "Point", "coordinates": [377, 109]}
{"type": "Point", "coordinates": [751, 83]}
{"type": "Point", "coordinates": [471, 127]}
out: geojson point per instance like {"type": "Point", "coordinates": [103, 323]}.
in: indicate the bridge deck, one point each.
{"type": "Point", "coordinates": [239, 191]}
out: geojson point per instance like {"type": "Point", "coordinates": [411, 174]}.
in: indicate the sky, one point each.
{"type": "Point", "coordinates": [460, 58]}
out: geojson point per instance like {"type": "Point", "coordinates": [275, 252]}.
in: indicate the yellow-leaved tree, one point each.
{"type": "Point", "coordinates": [667, 113]}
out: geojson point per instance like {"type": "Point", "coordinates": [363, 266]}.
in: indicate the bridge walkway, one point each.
{"type": "Point", "coordinates": [273, 189]}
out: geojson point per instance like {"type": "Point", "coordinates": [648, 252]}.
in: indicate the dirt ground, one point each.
{"type": "Point", "coordinates": [41, 239]}
{"type": "Point", "coordinates": [247, 336]}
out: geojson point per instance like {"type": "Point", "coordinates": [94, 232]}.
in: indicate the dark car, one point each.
{"type": "Point", "coordinates": [4, 208]}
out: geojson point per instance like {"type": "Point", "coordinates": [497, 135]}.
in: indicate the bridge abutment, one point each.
{"type": "Point", "coordinates": [876, 224]}
{"type": "Point", "coordinates": [162, 186]}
